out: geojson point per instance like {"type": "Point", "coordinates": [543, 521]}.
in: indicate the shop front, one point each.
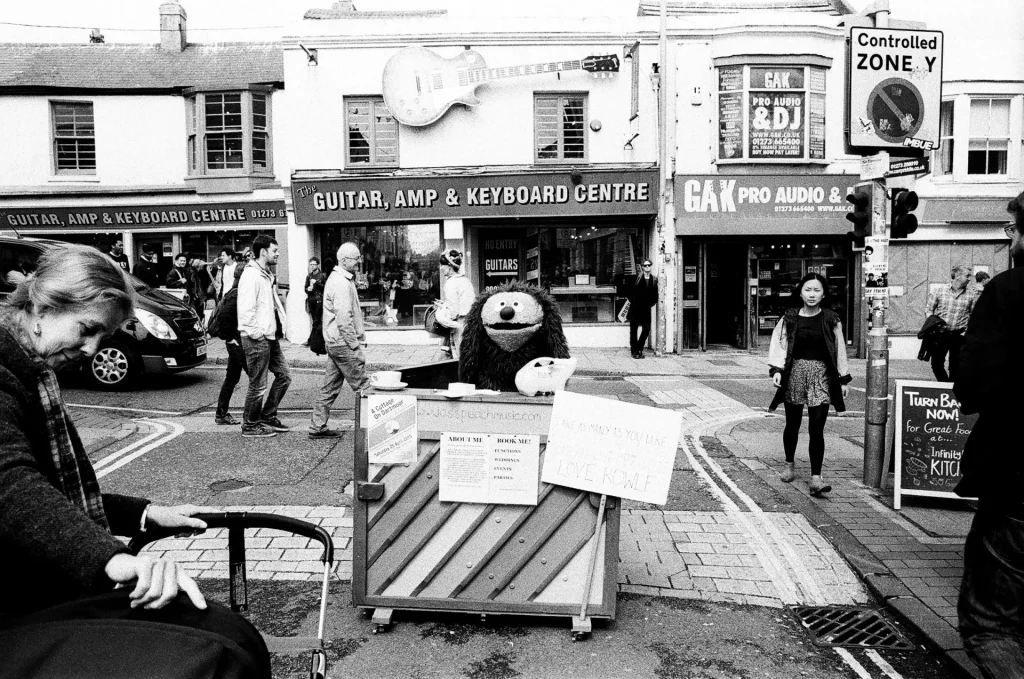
{"type": "Point", "coordinates": [198, 229]}
{"type": "Point", "coordinates": [746, 241]}
{"type": "Point", "coordinates": [578, 234]}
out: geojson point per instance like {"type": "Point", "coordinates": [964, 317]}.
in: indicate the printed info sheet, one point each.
{"type": "Point", "coordinates": [490, 468]}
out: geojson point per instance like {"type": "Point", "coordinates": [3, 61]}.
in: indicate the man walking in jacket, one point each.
{"type": "Point", "coordinates": [261, 323]}
{"type": "Point", "coordinates": [991, 605]}
{"type": "Point", "coordinates": [344, 337]}
{"type": "Point", "coordinates": [952, 304]}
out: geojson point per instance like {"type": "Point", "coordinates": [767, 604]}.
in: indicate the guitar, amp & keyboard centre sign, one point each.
{"type": "Point", "coordinates": [391, 199]}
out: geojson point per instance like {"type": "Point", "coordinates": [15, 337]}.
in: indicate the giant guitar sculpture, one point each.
{"type": "Point", "coordinates": [419, 86]}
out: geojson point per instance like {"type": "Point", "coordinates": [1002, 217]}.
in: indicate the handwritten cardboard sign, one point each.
{"type": "Point", "coordinates": [610, 447]}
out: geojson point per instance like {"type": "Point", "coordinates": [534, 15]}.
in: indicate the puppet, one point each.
{"type": "Point", "coordinates": [506, 328]}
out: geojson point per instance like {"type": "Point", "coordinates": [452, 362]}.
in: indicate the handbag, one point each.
{"type": "Point", "coordinates": [624, 312]}
{"type": "Point", "coordinates": [431, 325]}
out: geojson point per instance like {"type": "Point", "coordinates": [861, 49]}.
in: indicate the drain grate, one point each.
{"type": "Point", "coordinates": [850, 626]}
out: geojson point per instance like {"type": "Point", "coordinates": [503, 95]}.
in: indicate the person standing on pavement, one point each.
{"type": "Point", "coordinates": [953, 304]}
{"type": "Point", "coordinates": [261, 322]}
{"type": "Point", "coordinates": [228, 331]}
{"type": "Point", "coordinates": [642, 297]}
{"type": "Point", "coordinates": [344, 337]}
{"type": "Point", "coordinates": [314, 287]}
{"type": "Point", "coordinates": [182, 277]}
{"type": "Point", "coordinates": [458, 298]}
{"type": "Point", "coordinates": [226, 278]}
{"type": "Point", "coordinates": [145, 269]}
{"type": "Point", "coordinates": [116, 253]}
{"type": "Point", "coordinates": [807, 364]}
{"type": "Point", "coordinates": [988, 382]}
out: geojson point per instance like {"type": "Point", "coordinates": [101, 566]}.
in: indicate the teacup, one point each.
{"type": "Point", "coordinates": [386, 378]}
{"type": "Point", "coordinates": [461, 388]}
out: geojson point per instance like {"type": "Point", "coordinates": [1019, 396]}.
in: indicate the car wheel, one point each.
{"type": "Point", "coordinates": [112, 367]}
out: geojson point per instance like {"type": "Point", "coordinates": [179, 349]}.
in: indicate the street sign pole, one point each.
{"type": "Point", "coordinates": [876, 413]}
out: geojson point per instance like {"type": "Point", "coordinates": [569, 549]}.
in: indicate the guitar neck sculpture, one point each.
{"type": "Point", "coordinates": [419, 86]}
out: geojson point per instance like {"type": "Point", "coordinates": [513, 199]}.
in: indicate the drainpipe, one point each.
{"type": "Point", "coordinates": [665, 237]}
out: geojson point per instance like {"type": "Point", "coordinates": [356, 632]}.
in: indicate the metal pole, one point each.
{"type": "Point", "coordinates": [876, 413]}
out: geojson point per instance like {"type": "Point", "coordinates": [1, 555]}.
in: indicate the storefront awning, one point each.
{"type": "Point", "coordinates": [222, 215]}
{"type": "Point", "coordinates": [763, 205]}
{"type": "Point", "coordinates": [561, 192]}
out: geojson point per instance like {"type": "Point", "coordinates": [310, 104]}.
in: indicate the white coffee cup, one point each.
{"type": "Point", "coordinates": [461, 388]}
{"type": "Point", "coordinates": [386, 378]}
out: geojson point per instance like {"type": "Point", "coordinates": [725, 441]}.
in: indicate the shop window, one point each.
{"type": "Point", "coordinates": [371, 133]}
{"type": "Point", "coordinates": [399, 277]}
{"type": "Point", "coordinates": [942, 160]}
{"type": "Point", "coordinates": [560, 127]}
{"type": "Point", "coordinates": [778, 269]}
{"type": "Point", "coordinates": [228, 133]}
{"type": "Point", "coordinates": [589, 270]}
{"type": "Point", "coordinates": [74, 138]}
{"type": "Point", "coordinates": [989, 141]}
{"type": "Point", "coordinates": [771, 113]}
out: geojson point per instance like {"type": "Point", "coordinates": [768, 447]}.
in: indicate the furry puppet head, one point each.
{"type": "Point", "coordinates": [507, 327]}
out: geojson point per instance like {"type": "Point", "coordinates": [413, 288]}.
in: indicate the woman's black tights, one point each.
{"type": "Point", "coordinates": [816, 417]}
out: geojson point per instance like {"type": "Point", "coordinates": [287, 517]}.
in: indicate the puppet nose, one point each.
{"type": "Point", "coordinates": [507, 313]}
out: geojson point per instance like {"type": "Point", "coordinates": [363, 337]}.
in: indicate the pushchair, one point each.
{"type": "Point", "coordinates": [102, 637]}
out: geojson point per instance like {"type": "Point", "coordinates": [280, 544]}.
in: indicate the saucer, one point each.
{"type": "Point", "coordinates": [448, 394]}
{"type": "Point", "coordinates": [391, 387]}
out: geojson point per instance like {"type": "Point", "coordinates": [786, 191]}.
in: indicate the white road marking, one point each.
{"type": "Point", "coordinates": [169, 413]}
{"type": "Point", "coordinates": [806, 580]}
{"type": "Point", "coordinates": [888, 669]}
{"type": "Point", "coordinates": [857, 668]}
{"type": "Point", "coordinates": [158, 431]}
{"type": "Point", "coordinates": [124, 458]}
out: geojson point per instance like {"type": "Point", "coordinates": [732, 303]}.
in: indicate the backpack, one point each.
{"type": "Point", "coordinates": [213, 323]}
{"type": "Point", "coordinates": [223, 324]}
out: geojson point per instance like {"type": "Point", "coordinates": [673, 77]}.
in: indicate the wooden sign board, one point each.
{"type": "Point", "coordinates": [930, 436]}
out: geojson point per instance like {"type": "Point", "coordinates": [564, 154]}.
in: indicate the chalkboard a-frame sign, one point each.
{"type": "Point", "coordinates": [930, 436]}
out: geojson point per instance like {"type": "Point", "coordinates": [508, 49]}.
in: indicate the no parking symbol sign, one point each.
{"type": "Point", "coordinates": [895, 88]}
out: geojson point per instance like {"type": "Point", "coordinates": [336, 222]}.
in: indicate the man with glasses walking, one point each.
{"type": "Point", "coordinates": [953, 304]}
{"type": "Point", "coordinates": [991, 605]}
{"type": "Point", "coordinates": [344, 337]}
{"type": "Point", "coordinates": [642, 297]}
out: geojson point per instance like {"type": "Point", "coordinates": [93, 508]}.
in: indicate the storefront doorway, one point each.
{"type": "Point", "coordinates": [735, 291]}
{"type": "Point", "coordinates": [725, 301]}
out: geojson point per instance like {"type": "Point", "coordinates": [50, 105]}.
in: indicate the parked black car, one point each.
{"type": "Point", "coordinates": [164, 336]}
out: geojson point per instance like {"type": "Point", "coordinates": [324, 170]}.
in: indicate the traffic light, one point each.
{"type": "Point", "coordinates": [861, 215]}
{"type": "Point", "coordinates": [902, 203]}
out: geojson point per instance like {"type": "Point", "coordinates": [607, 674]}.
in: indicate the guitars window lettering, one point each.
{"type": "Point", "coordinates": [420, 86]}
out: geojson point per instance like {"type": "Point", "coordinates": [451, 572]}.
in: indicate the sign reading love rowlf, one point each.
{"type": "Point", "coordinates": [610, 447]}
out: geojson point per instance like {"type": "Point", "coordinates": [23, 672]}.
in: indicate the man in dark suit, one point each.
{"type": "Point", "coordinates": [989, 382]}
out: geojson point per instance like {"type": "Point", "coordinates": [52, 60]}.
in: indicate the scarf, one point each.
{"type": "Point", "coordinates": [77, 477]}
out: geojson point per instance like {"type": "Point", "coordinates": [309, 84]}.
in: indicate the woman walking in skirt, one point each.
{"type": "Point", "coordinates": [807, 362]}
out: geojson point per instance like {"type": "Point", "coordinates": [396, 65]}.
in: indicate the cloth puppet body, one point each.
{"type": "Point", "coordinates": [507, 327]}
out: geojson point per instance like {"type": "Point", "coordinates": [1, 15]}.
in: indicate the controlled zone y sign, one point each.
{"type": "Point", "coordinates": [895, 88]}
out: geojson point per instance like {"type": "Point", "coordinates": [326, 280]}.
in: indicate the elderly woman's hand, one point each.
{"type": "Point", "coordinates": [157, 580]}
{"type": "Point", "coordinates": [176, 517]}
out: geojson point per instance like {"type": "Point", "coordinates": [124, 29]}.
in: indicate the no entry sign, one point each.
{"type": "Point", "coordinates": [895, 88]}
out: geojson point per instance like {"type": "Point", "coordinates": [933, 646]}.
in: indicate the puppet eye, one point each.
{"type": "Point", "coordinates": [515, 303]}
{"type": "Point", "coordinates": [501, 304]}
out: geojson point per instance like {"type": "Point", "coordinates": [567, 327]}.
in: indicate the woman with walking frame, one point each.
{"type": "Point", "coordinates": [807, 362]}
